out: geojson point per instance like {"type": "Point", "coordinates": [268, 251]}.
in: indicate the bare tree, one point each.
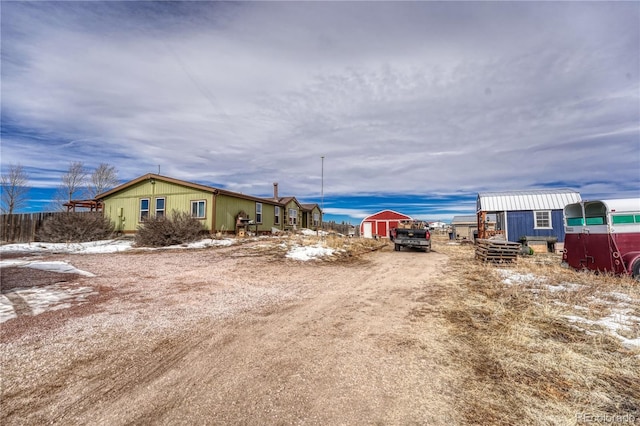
{"type": "Point", "coordinates": [103, 178]}
{"type": "Point", "coordinates": [14, 189]}
{"type": "Point", "coordinates": [74, 180]}
{"type": "Point", "coordinates": [72, 186]}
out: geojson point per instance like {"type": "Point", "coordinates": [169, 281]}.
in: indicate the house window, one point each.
{"type": "Point", "coordinates": [293, 217]}
{"type": "Point", "coordinates": [316, 219]}
{"type": "Point", "coordinates": [198, 209]}
{"type": "Point", "coordinates": [258, 212]}
{"type": "Point", "coordinates": [276, 218]}
{"type": "Point", "coordinates": [159, 207]}
{"type": "Point", "coordinates": [144, 209]}
{"type": "Point", "coordinates": [542, 219]}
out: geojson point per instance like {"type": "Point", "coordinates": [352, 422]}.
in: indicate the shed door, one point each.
{"type": "Point", "coordinates": [367, 230]}
{"type": "Point", "coordinates": [382, 229]}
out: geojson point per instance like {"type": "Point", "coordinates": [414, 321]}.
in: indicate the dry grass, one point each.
{"type": "Point", "coordinates": [344, 247]}
{"type": "Point", "coordinates": [529, 362]}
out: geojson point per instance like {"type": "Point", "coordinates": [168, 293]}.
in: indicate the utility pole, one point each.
{"type": "Point", "coordinates": [322, 193]}
{"type": "Point", "coordinates": [322, 185]}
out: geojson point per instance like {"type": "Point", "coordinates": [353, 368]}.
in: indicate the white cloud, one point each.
{"type": "Point", "coordinates": [399, 97]}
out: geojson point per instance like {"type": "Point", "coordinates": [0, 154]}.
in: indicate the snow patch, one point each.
{"type": "Point", "coordinates": [309, 252]}
{"type": "Point", "coordinates": [42, 299]}
{"type": "Point", "coordinates": [618, 320]}
{"type": "Point", "coordinates": [53, 266]}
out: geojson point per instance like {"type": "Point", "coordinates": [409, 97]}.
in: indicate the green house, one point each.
{"type": "Point", "coordinates": [219, 210]}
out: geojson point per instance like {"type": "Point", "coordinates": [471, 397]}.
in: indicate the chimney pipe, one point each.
{"type": "Point", "coordinates": [275, 191]}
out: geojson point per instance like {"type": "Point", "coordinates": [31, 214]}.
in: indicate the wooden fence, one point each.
{"type": "Point", "coordinates": [24, 227]}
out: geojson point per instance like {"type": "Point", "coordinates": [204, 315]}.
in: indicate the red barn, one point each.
{"type": "Point", "coordinates": [379, 224]}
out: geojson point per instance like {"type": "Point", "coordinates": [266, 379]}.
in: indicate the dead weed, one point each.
{"type": "Point", "coordinates": [530, 363]}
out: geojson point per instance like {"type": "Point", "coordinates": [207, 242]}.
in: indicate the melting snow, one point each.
{"type": "Point", "coordinates": [311, 233]}
{"type": "Point", "coordinates": [36, 300]}
{"type": "Point", "coordinates": [104, 246]}
{"type": "Point", "coordinates": [53, 266]}
{"type": "Point", "coordinates": [619, 320]}
{"type": "Point", "coordinates": [511, 277]}
{"type": "Point", "coordinates": [309, 252]}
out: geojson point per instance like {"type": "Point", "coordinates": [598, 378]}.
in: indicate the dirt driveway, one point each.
{"type": "Point", "coordinates": [237, 335]}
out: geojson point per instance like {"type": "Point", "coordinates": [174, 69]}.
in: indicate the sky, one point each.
{"type": "Point", "coordinates": [415, 106]}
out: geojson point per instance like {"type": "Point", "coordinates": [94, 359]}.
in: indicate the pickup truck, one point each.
{"type": "Point", "coordinates": [411, 233]}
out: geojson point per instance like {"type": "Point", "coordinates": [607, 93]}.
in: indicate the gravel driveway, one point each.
{"type": "Point", "coordinates": [235, 335]}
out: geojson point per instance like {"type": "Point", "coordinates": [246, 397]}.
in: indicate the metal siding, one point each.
{"type": "Point", "coordinates": [521, 224]}
{"type": "Point", "coordinates": [623, 204]}
{"type": "Point", "coordinates": [557, 220]}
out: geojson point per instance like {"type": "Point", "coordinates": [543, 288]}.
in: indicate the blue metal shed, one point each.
{"type": "Point", "coordinates": [520, 214]}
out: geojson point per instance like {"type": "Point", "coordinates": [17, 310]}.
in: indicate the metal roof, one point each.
{"type": "Point", "coordinates": [541, 199]}
{"type": "Point", "coordinates": [621, 205]}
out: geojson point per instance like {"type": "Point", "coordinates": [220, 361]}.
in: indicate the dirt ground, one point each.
{"type": "Point", "coordinates": [236, 335]}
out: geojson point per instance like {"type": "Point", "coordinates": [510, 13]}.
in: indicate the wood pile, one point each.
{"type": "Point", "coordinates": [497, 251]}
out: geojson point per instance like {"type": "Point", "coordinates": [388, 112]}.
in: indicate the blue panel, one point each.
{"type": "Point", "coordinates": [520, 224]}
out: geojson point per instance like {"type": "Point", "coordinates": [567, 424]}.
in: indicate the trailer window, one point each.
{"type": "Point", "coordinates": [596, 213]}
{"type": "Point", "coordinates": [575, 221]}
{"type": "Point", "coordinates": [595, 220]}
{"type": "Point", "coordinates": [622, 218]}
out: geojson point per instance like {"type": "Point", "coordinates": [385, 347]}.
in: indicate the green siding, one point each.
{"type": "Point", "coordinates": [307, 218]}
{"type": "Point", "coordinates": [292, 205]}
{"type": "Point", "coordinates": [177, 197]}
{"type": "Point", "coordinates": [228, 207]}
{"type": "Point", "coordinates": [123, 207]}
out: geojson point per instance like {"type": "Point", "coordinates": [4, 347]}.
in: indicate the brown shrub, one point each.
{"type": "Point", "coordinates": [75, 227]}
{"type": "Point", "coordinates": [180, 228]}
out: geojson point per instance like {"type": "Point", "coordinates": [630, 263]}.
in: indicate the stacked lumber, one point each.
{"type": "Point", "coordinates": [497, 251]}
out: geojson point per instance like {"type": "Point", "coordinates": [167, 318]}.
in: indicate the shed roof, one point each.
{"type": "Point", "coordinates": [537, 199]}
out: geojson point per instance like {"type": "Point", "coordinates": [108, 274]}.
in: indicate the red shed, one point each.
{"type": "Point", "coordinates": [379, 224]}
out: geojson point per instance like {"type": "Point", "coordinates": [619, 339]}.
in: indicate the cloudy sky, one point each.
{"type": "Point", "coordinates": [416, 106]}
